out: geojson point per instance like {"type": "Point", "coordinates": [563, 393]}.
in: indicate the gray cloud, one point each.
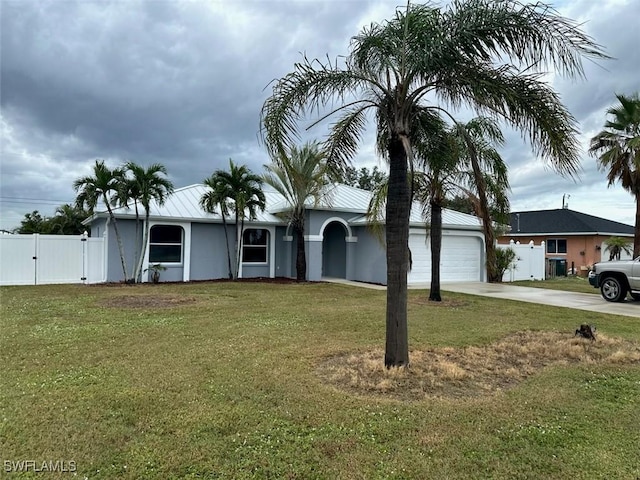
{"type": "Point", "coordinates": [182, 83]}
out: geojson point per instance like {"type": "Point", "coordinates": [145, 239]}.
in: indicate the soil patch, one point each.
{"type": "Point", "coordinates": [471, 371]}
{"type": "Point", "coordinates": [147, 301]}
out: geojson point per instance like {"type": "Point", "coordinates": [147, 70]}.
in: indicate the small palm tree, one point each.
{"type": "Point", "coordinates": [299, 176]}
{"type": "Point", "coordinates": [618, 150]}
{"type": "Point", "coordinates": [238, 189]}
{"type": "Point", "coordinates": [477, 53]}
{"type": "Point", "coordinates": [617, 245]}
{"type": "Point", "coordinates": [103, 185]}
{"type": "Point", "coordinates": [217, 196]}
{"type": "Point", "coordinates": [147, 184]}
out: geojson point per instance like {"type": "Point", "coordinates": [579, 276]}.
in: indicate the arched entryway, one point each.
{"type": "Point", "coordinates": [334, 250]}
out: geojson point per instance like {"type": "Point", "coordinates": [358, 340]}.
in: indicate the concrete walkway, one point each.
{"type": "Point", "coordinates": [581, 301]}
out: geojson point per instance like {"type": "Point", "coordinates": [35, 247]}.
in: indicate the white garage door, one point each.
{"type": "Point", "coordinates": [460, 259]}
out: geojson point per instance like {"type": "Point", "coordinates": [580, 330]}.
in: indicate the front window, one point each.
{"type": "Point", "coordinates": [556, 245]}
{"type": "Point", "coordinates": [165, 244]}
{"type": "Point", "coordinates": [254, 245]}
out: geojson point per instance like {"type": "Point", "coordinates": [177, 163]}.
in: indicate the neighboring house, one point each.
{"type": "Point", "coordinates": [573, 240]}
{"type": "Point", "coordinates": [190, 243]}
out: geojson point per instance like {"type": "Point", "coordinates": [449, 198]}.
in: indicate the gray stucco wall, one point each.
{"type": "Point", "coordinates": [127, 229]}
{"type": "Point", "coordinates": [209, 251]}
{"type": "Point", "coordinates": [317, 218]}
{"type": "Point", "coordinates": [283, 254]}
{"type": "Point", "coordinates": [370, 263]}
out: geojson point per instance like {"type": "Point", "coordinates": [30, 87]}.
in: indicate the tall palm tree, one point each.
{"type": "Point", "coordinates": [103, 185]}
{"type": "Point", "coordinates": [238, 189]}
{"type": "Point", "coordinates": [486, 55]}
{"type": "Point", "coordinates": [216, 196]}
{"type": "Point", "coordinates": [299, 176]}
{"type": "Point", "coordinates": [487, 182]}
{"type": "Point", "coordinates": [150, 184]}
{"type": "Point", "coordinates": [618, 150]}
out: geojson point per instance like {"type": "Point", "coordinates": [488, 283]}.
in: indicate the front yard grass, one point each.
{"type": "Point", "coordinates": [225, 380]}
{"type": "Point", "coordinates": [572, 283]}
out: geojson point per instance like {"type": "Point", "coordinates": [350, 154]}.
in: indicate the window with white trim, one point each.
{"type": "Point", "coordinates": [165, 244]}
{"type": "Point", "coordinates": [556, 245]}
{"type": "Point", "coordinates": [254, 245]}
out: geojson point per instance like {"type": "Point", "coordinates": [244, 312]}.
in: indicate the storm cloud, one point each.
{"type": "Point", "coordinates": [182, 83]}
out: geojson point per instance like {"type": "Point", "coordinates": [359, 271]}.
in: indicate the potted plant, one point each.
{"type": "Point", "coordinates": [155, 270]}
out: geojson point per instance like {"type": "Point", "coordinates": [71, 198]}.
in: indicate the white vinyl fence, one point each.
{"type": "Point", "coordinates": [43, 259]}
{"type": "Point", "coordinates": [529, 263]}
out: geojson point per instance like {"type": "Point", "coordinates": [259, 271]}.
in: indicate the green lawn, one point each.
{"type": "Point", "coordinates": [220, 380]}
{"type": "Point", "coordinates": [568, 284]}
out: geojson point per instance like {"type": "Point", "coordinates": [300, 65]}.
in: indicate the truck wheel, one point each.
{"type": "Point", "coordinates": [635, 296]}
{"type": "Point", "coordinates": [613, 290]}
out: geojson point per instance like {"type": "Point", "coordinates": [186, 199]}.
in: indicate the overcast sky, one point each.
{"type": "Point", "coordinates": [182, 83]}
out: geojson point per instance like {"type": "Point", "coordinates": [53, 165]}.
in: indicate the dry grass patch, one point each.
{"type": "Point", "coordinates": [472, 371]}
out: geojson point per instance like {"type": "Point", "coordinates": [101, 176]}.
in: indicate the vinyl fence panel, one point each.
{"type": "Point", "coordinates": [47, 259]}
{"type": "Point", "coordinates": [17, 266]}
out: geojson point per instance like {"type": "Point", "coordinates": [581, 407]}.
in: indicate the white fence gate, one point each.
{"type": "Point", "coordinates": [529, 263]}
{"type": "Point", "coordinates": [43, 259]}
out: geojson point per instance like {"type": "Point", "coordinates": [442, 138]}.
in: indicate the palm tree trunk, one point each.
{"type": "Point", "coordinates": [137, 246]}
{"type": "Point", "coordinates": [239, 251]}
{"type": "Point", "coordinates": [143, 250]}
{"type": "Point", "coordinates": [118, 239]}
{"type": "Point", "coordinates": [397, 237]}
{"type": "Point", "coordinates": [493, 275]}
{"type": "Point", "coordinates": [226, 238]}
{"type": "Point", "coordinates": [301, 260]}
{"type": "Point", "coordinates": [636, 231]}
{"type": "Point", "coordinates": [436, 250]}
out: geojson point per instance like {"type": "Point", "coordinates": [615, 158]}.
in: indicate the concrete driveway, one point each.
{"type": "Point", "coordinates": [581, 301]}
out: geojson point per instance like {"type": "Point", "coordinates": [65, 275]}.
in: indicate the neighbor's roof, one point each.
{"type": "Point", "coordinates": [184, 204]}
{"type": "Point", "coordinates": [564, 221]}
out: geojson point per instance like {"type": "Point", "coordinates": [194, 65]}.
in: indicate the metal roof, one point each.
{"type": "Point", "coordinates": [184, 204]}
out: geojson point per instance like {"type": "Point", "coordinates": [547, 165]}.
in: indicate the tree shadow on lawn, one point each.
{"type": "Point", "coordinates": [456, 373]}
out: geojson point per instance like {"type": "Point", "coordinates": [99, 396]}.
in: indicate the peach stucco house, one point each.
{"type": "Point", "coordinates": [573, 240]}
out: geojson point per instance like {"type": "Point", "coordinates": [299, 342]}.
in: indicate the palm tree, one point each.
{"type": "Point", "coordinates": [103, 185]}
{"type": "Point", "coordinates": [618, 150]}
{"type": "Point", "coordinates": [68, 220]}
{"type": "Point", "coordinates": [147, 184]}
{"type": "Point", "coordinates": [487, 55]}
{"type": "Point", "coordinates": [487, 183]}
{"type": "Point", "coordinates": [617, 245]}
{"type": "Point", "coordinates": [216, 196]}
{"type": "Point", "coordinates": [298, 176]}
{"type": "Point", "coordinates": [241, 190]}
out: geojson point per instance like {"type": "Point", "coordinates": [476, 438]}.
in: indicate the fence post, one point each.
{"type": "Point", "coordinates": [85, 266]}
{"type": "Point", "coordinates": [36, 254]}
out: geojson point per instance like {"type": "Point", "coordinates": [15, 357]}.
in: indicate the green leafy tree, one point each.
{"type": "Point", "coordinates": [33, 223]}
{"type": "Point", "coordinates": [363, 178]}
{"type": "Point", "coordinates": [618, 150]}
{"type": "Point", "coordinates": [487, 55]}
{"type": "Point", "coordinates": [102, 186]}
{"type": "Point", "coordinates": [147, 185]}
{"type": "Point", "coordinates": [299, 176]}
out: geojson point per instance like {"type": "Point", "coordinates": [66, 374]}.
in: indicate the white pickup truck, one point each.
{"type": "Point", "coordinates": [616, 279]}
